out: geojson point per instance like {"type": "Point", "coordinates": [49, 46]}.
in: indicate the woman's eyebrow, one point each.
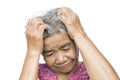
{"type": "Point", "coordinates": [66, 44]}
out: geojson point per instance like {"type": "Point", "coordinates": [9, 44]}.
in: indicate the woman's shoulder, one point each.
{"type": "Point", "coordinates": [43, 67]}
{"type": "Point", "coordinates": [81, 67]}
{"type": "Point", "coordinates": [80, 73]}
{"type": "Point", "coordinates": [45, 73]}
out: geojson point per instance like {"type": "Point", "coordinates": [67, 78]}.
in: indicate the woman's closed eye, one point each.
{"type": "Point", "coordinates": [49, 53]}
{"type": "Point", "coordinates": [66, 48]}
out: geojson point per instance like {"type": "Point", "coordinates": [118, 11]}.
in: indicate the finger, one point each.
{"type": "Point", "coordinates": [28, 25]}
{"type": "Point", "coordinates": [41, 30]}
{"type": "Point", "coordinates": [33, 25]}
{"type": "Point", "coordinates": [36, 25]}
{"type": "Point", "coordinates": [62, 14]}
{"type": "Point", "coordinates": [39, 20]}
{"type": "Point", "coordinates": [45, 26]}
{"type": "Point", "coordinates": [29, 22]}
{"type": "Point", "coordinates": [64, 10]}
{"type": "Point", "coordinates": [36, 22]}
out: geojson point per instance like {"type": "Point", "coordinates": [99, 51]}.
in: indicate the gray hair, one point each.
{"type": "Point", "coordinates": [54, 24]}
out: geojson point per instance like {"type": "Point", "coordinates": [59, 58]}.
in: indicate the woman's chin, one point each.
{"type": "Point", "coordinates": [66, 69]}
{"type": "Point", "coordinates": [63, 71]}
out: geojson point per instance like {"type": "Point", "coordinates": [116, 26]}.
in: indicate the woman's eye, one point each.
{"type": "Point", "coordinates": [67, 48]}
{"type": "Point", "coordinates": [49, 53]}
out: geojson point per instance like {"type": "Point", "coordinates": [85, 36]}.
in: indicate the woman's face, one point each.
{"type": "Point", "coordinates": [59, 53]}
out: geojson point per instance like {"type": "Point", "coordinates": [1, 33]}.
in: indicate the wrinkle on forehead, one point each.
{"type": "Point", "coordinates": [56, 40]}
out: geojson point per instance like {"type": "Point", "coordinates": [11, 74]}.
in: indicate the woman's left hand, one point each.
{"type": "Point", "coordinates": [71, 21]}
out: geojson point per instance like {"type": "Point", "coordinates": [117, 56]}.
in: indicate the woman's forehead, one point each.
{"type": "Point", "coordinates": [57, 37]}
{"type": "Point", "coordinates": [56, 40]}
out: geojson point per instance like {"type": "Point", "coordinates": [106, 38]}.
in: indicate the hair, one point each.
{"type": "Point", "coordinates": [55, 25]}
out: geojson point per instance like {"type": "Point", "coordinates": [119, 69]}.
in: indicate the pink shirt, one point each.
{"type": "Point", "coordinates": [45, 73]}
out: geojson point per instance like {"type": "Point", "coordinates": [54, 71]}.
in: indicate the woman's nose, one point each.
{"type": "Point", "coordinates": [60, 58]}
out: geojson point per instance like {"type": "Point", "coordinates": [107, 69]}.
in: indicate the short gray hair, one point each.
{"type": "Point", "coordinates": [54, 24]}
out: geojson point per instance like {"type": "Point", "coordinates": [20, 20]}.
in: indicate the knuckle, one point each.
{"type": "Point", "coordinates": [36, 22]}
{"type": "Point", "coordinates": [41, 22]}
{"type": "Point", "coordinates": [32, 20]}
{"type": "Point", "coordinates": [29, 20]}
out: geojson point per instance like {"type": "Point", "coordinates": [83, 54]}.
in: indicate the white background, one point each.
{"type": "Point", "coordinates": [100, 19]}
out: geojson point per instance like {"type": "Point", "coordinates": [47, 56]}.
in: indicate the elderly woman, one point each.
{"type": "Point", "coordinates": [59, 36]}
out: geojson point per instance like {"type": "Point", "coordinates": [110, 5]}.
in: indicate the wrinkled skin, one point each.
{"type": "Point", "coordinates": [60, 53]}
{"type": "Point", "coordinates": [34, 34]}
{"type": "Point", "coordinates": [97, 66]}
{"type": "Point", "coordinates": [71, 20]}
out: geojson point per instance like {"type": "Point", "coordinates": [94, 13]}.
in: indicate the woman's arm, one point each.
{"type": "Point", "coordinates": [97, 66]}
{"type": "Point", "coordinates": [34, 33]}
{"type": "Point", "coordinates": [30, 67]}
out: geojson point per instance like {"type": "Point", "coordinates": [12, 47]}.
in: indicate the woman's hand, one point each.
{"type": "Point", "coordinates": [34, 34]}
{"type": "Point", "coordinates": [71, 21]}
{"type": "Point", "coordinates": [96, 64]}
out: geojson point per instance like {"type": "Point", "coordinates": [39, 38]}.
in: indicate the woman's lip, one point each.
{"type": "Point", "coordinates": [63, 65]}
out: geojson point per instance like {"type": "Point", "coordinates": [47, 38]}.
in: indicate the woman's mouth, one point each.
{"type": "Point", "coordinates": [63, 66]}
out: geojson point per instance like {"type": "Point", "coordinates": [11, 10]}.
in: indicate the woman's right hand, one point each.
{"type": "Point", "coordinates": [34, 34]}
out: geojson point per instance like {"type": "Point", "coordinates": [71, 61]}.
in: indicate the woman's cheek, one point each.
{"type": "Point", "coordinates": [50, 60]}
{"type": "Point", "coordinates": [71, 54]}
